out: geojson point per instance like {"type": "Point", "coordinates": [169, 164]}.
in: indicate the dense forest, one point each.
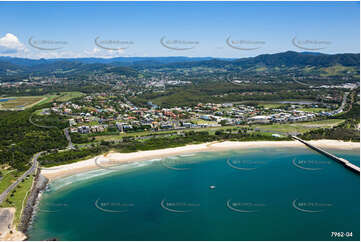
{"type": "Point", "coordinates": [20, 139]}
{"type": "Point", "coordinates": [220, 92]}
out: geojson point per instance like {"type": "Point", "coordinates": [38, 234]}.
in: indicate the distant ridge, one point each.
{"type": "Point", "coordinates": [131, 65]}
{"type": "Point", "coordinates": [92, 60]}
{"type": "Point", "coordinates": [288, 58]}
{"type": "Point", "coordinates": [292, 58]}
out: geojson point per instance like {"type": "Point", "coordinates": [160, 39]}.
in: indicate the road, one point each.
{"type": "Point", "coordinates": [301, 83]}
{"type": "Point", "coordinates": [23, 176]}
{"type": "Point", "coordinates": [38, 125]}
{"type": "Point", "coordinates": [344, 100]}
{"type": "Point", "coordinates": [66, 131]}
{"type": "Point", "coordinates": [67, 135]}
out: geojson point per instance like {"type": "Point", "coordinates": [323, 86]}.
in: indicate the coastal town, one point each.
{"type": "Point", "coordinates": [102, 112]}
{"type": "Point", "coordinates": [65, 120]}
{"type": "Point", "coordinates": [114, 116]}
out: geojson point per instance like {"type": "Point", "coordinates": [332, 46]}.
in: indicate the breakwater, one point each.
{"type": "Point", "coordinates": [39, 185]}
{"type": "Point", "coordinates": [342, 161]}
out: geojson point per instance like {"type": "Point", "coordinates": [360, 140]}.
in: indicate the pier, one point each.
{"type": "Point", "coordinates": [343, 161]}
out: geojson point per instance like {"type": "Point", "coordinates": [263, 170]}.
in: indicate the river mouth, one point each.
{"type": "Point", "coordinates": [134, 204]}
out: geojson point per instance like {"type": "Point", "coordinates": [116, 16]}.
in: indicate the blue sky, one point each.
{"type": "Point", "coordinates": [69, 29]}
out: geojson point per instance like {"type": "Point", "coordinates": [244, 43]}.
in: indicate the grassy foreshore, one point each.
{"type": "Point", "coordinates": [17, 198]}
{"type": "Point", "coordinates": [16, 201]}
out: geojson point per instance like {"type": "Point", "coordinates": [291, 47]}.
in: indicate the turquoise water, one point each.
{"type": "Point", "coordinates": [352, 156]}
{"type": "Point", "coordinates": [259, 194]}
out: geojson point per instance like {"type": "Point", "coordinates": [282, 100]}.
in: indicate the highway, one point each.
{"type": "Point", "coordinates": [344, 100]}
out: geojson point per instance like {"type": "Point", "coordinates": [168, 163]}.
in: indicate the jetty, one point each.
{"type": "Point", "coordinates": [342, 161]}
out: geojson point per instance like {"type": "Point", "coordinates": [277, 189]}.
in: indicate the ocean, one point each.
{"type": "Point", "coordinates": [253, 194]}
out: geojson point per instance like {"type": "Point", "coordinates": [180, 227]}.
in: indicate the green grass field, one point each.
{"type": "Point", "coordinates": [17, 198]}
{"type": "Point", "coordinates": [39, 112]}
{"type": "Point", "coordinates": [300, 127]}
{"type": "Point", "coordinates": [314, 110]}
{"type": "Point", "coordinates": [47, 98]}
{"type": "Point", "coordinates": [336, 70]}
{"type": "Point", "coordinates": [284, 128]}
{"type": "Point", "coordinates": [66, 96]}
{"type": "Point", "coordinates": [9, 176]}
{"type": "Point", "coordinates": [272, 105]}
{"type": "Point", "coordinates": [146, 133]}
{"type": "Point", "coordinates": [327, 123]}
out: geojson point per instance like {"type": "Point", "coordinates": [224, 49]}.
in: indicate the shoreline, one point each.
{"type": "Point", "coordinates": [7, 225]}
{"type": "Point", "coordinates": [116, 158]}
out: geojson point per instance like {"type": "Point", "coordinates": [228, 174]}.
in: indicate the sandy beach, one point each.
{"type": "Point", "coordinates": [6, 225]}
{"type": "Point", "coordinates": [114, 158]}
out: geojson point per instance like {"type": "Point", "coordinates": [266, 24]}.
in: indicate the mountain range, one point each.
{"type": "Point", "coordinates": [129, 65]}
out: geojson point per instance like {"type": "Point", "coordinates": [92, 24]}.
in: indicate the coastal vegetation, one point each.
{"type": "Point", "coordinates": [17, 198]}
{"type": "Point", "coordinates": [346, 131]}
{"type": "Point", "coordinates": [60, 158]}
{"type": "Point", "coordinates": [20, 139]}
{"type": "Point", "coordinates": [349, 130]}
{"type": "Point", "coordinates": [300, 127]}
{"type": "Point", "coordinates": [129, 144]}
{"type": "Point", "coordinates": [354, 113]}
{"type": "Point", "coordinates": [8, 177]}
{"type": "Point", "coordinates": [66, 96]}
{"type": "Point", "coordinates": [78, 138]}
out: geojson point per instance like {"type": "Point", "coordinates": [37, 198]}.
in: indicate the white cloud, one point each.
{"type": "Point", "coordinates": [10, 44]}
{"type": "Point", "coordinates": [66, 53]}
{"type": "Point", "coordinates": [102, 53]}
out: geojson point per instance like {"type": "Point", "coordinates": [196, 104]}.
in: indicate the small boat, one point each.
{"type": "Point", "coordinates": [212, 187]}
